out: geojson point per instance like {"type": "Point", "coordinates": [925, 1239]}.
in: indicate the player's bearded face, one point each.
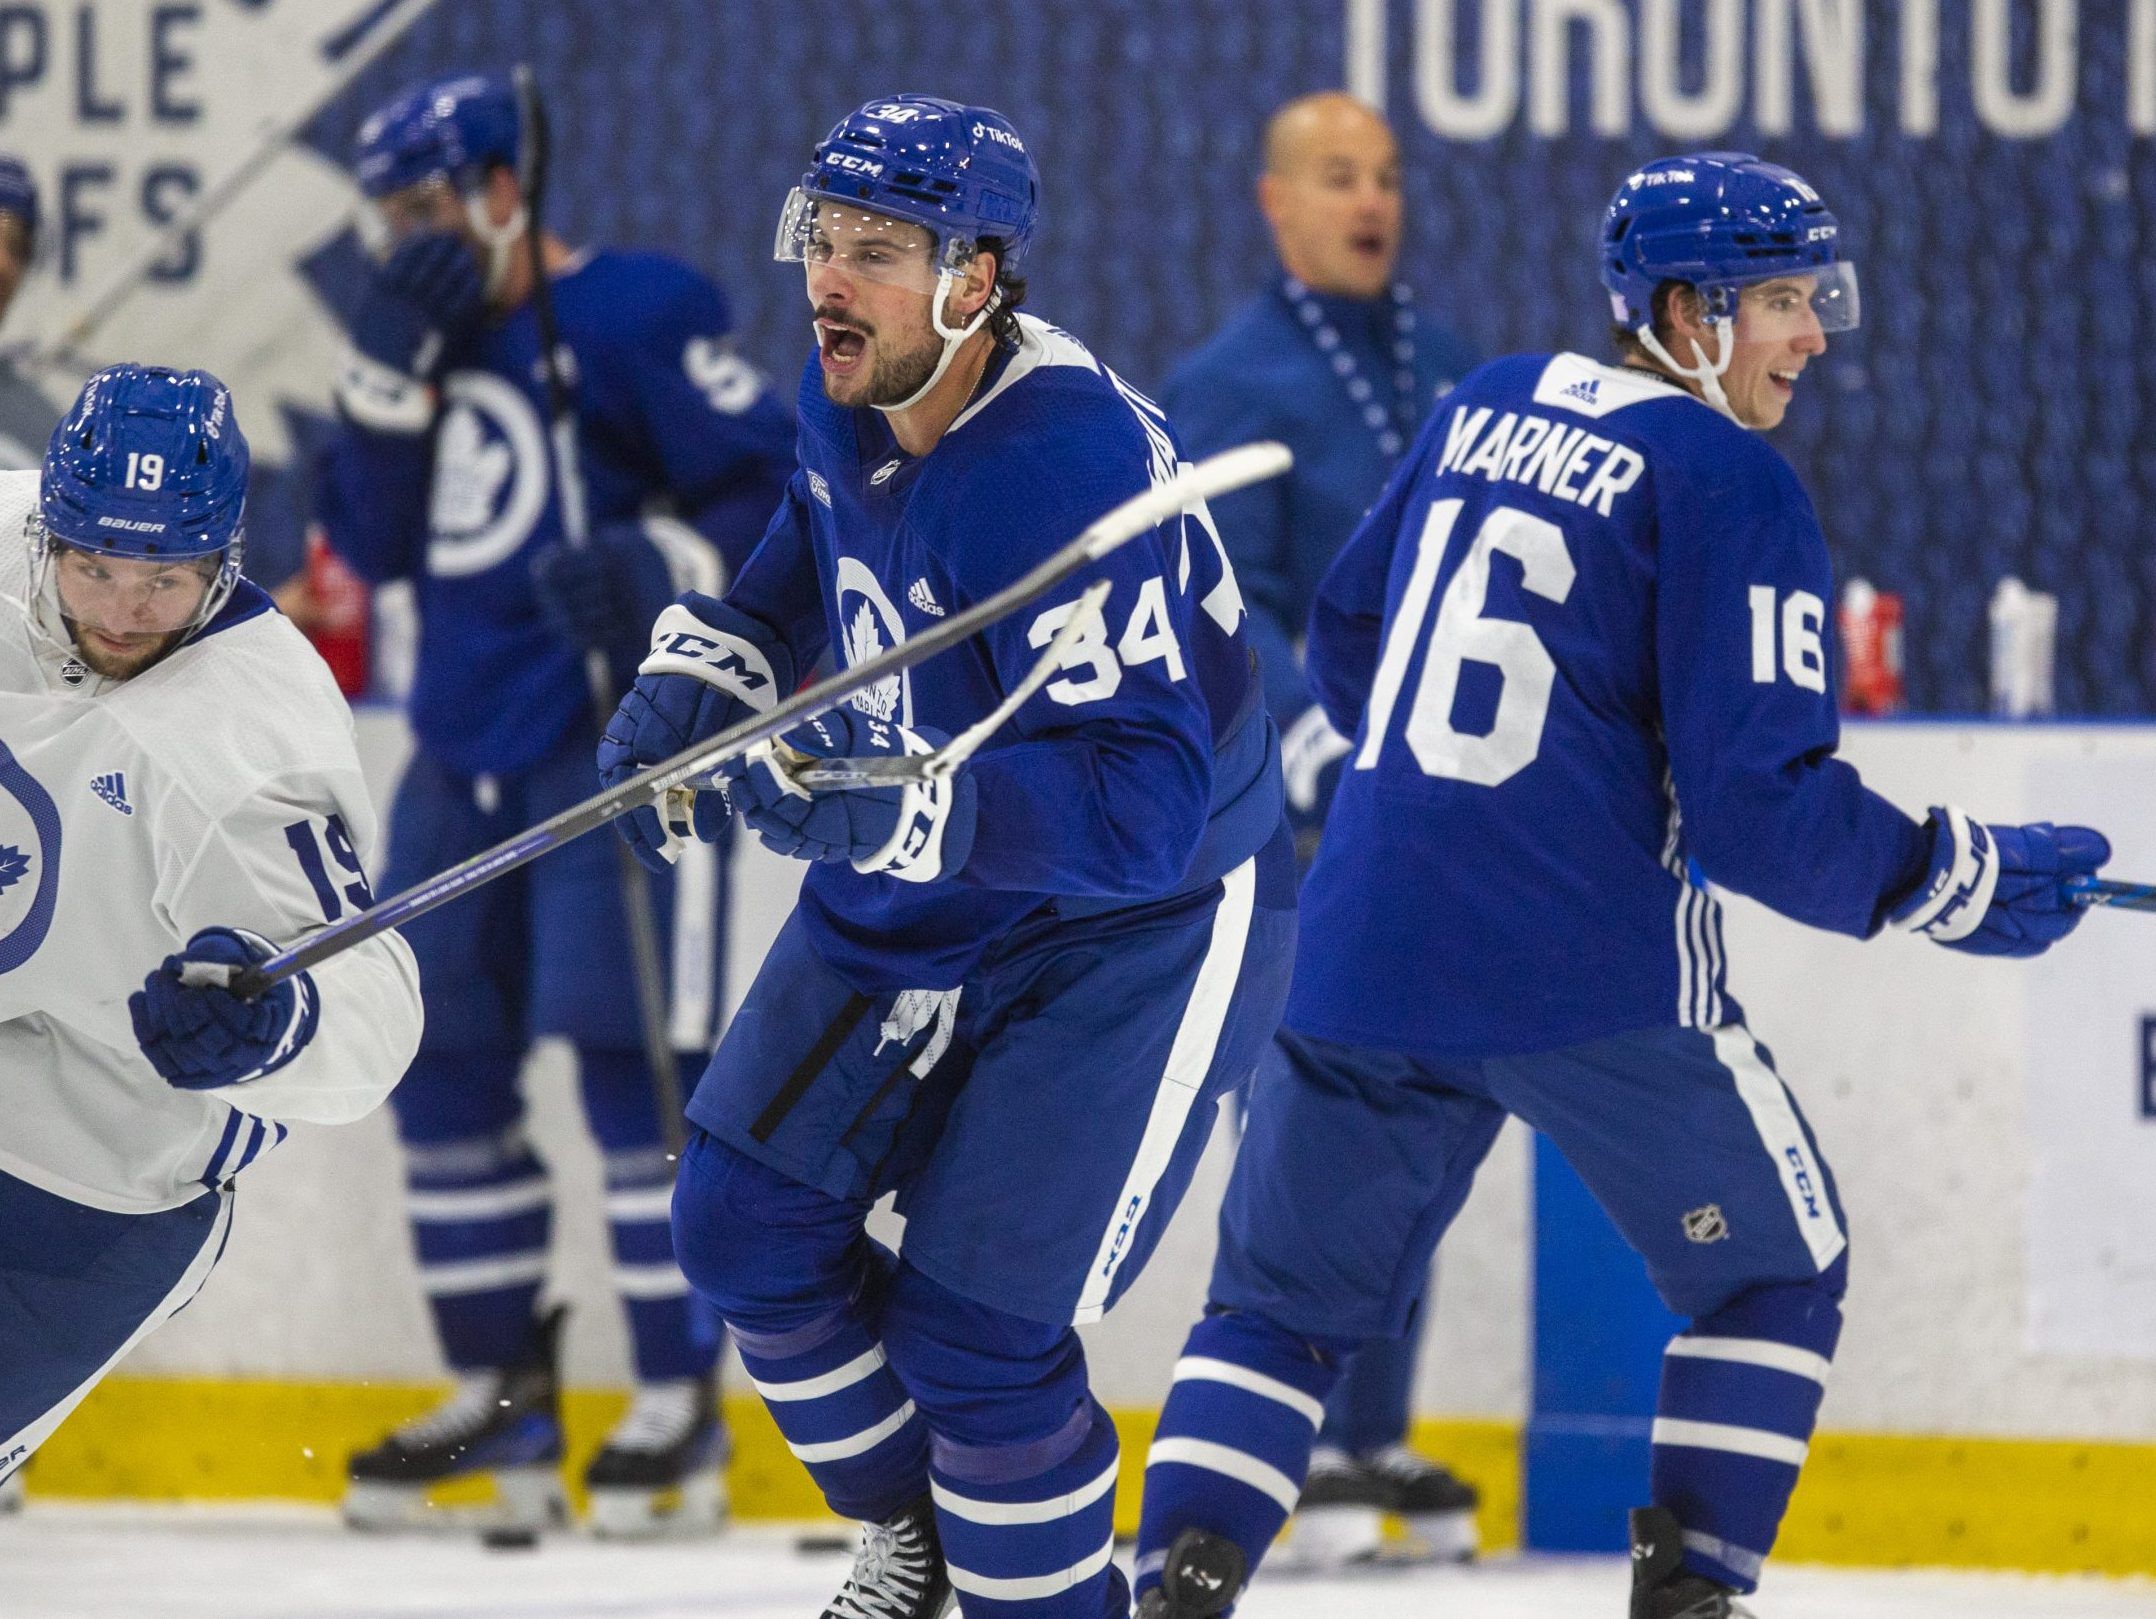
{"type": "Point", "coordinates": [870, 281]}
{"type": "Point", "coordinates": [125, 613]}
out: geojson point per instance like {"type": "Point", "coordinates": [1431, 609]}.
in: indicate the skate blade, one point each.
{"type": "Point", "coordinates": [1443, 1537]}
{"type": "Point", "coordinates": [527, 1501]}
{"type": "Point", "coordinates": [696, 1506]}
{"type": "Point", "coordinates": [1323, 1540]}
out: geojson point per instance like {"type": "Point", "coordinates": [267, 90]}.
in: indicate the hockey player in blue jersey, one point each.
{"type": "Point", "coordinates": [1578, 646]}
{"type": "Point", "coordinates": [1013, 998]}
{"type": "Point", "coordinates": [441, 475]}
{"type": "Point", "coordinates": [1334, 361]}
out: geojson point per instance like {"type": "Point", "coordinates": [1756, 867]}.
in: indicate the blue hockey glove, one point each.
{"type": "Point", "coordinates": [603, 594]}
{"type": "Point", "coordinates": [202, 1038]}
{"type": "Point", "coordinates": [710, 666]}
{"type": "Point", "coordinates": [1311, 752]}
{"type": "Point", "coordinates": [1999, 890]}
{"type": "Point", "coordinates": [428, 294]}
{"type": "Point", "coordinates": [916, 832]}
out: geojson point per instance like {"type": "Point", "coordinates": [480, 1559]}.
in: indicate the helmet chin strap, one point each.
{"type": "Point", "coordinates": [500, 240]}
{"type": "Point", "coordinates": [1708, 373]}
{"type": "Point", "coordinates": [952, 337]}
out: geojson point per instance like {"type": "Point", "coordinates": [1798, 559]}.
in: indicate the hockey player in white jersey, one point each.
{"type": "Point", "coordinates": [178, 785]}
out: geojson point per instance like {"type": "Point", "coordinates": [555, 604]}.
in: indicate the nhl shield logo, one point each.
{"type": "Point", "coordinates": [29, 862]}
{"type": "Point", "coordinates": [1706, 1224]}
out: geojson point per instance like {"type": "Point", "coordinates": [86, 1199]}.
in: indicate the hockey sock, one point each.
{"type": "Point", "coordinates": [1234, 1438]}
{"type": "Point", "coordinates": [830, 1389]}
{"type": "Point", "coordinates": [1023, 1462]}
{"type": "Point", "coordinates": [1026, 1540]}
{"type": "Point", "coordinates": [1369, 1405]}
{"type": "Point", "coordinates": [672, 1333]}
{"type": "Point", "coordinates": [791, 1271]}
{"type": "Point", "coordinates": [482, 1211]}
{"type": "Point", "coordinates": [1740, 1393]}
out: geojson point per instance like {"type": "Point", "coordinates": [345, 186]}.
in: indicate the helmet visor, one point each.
{"type": "Point", "coordinates": [432, 204]}
{"type": "Point", "coordinates": [819, 232]}
{"type": "Point", "coordinates": [131, 603]}
{"type": "Point", "coordinates": [1828, 291]}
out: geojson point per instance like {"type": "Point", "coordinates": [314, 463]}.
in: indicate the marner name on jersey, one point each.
{"type": "Point", "coordinates": [1568, 462]}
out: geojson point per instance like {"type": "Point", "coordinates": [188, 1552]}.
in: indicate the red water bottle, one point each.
{"type": "Point", "coordinates": [1871, 630]}
{"type": "Point", "coordinates": [341, 608]}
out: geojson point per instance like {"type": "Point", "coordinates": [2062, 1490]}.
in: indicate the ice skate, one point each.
{"type": "Point", "coordinates": [898, 1570]}
{"type": "Point", "coordinates": [1203, 1576]}
{"type": "Point", "coordinates": [1662, 1587]}
{"type": "Point", "coordinates": [1437, 1506]}
{"type": "Point", "coordinates": [661, 1471]}
{"type": "Point", "coordinates": [1339, 1519]}
{"type": "Point", "coordinates": [505, 1424]}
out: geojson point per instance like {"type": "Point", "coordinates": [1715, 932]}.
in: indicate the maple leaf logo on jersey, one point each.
{"type": "Point", "coordinates": [14, 866]}
{"type": "Point", "coordinates": [863, 641]}
{"type": "Point", "coordinates": [470, 469]}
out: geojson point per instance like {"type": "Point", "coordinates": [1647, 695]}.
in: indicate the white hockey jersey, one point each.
{"type": "Point", "coordinates": [219, 788]}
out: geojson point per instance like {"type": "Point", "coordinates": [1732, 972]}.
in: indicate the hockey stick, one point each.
{"type": "Point", "coordinates": [381, 31]}
{"type": "Point", "coordinates": [897, 770]}
{"type": "Point", "coordinates": [1215, 475]}
{"type": "Point", "coordinates": [2105, 891]}
{"type": "Point", "coordinates": [647, 966]}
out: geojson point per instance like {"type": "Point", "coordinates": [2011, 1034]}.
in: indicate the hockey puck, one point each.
{"type": "Point", "coordinates": [822, 1545]}
{"type": "Point", "coordinates": [510, 1540]}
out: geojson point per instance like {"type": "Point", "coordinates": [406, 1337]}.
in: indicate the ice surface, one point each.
{"type": "Point", "coordinates": [82, 1562]}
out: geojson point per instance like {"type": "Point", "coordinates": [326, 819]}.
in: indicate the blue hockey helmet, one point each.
{"type": "Point", "coordinates": [149, 468]}
{"type": "Point", "coordinates": [960, 172]}
{"type": "Point", "coordinates": [18, 194]}
{"type": "Point", "coordinates": [1719, 221]}
{"type": "Point", "coordinates": [453, 128]}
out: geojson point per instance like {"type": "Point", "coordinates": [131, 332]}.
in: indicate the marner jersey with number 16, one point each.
{"type": "Point", "coordinates": [1581, 646]}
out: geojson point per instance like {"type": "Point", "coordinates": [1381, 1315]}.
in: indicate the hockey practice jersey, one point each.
{"type": "Point", "coordinates": [1581, 646]}
{"type": "Point", "coordinates": [664, 407]}
{"type": "Point", "coordinates": [1147, 766]}
{"type": "Point", "coordinates": [220, 787]}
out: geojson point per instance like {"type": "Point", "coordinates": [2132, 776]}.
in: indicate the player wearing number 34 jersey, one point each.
{"type": "Point", "coordinates": [1579, 644]}
{"type": "Point", "coordinates": [178, 785]}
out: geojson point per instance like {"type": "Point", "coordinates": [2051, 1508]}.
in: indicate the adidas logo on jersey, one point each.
{"type": "Point", "coordinates": [1586, 390]}
{"type": "Point", "coordinates": [112, 789]}
{"type": "Point", "coordinates": [922, 597]}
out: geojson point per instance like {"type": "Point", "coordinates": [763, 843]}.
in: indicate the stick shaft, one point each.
{"type": "Point", "coordinates": [2106, 891]}
{"type": "Point", "coordinates": [647, 965]}
{"type": "Point", "coordinates": [1216, 475]}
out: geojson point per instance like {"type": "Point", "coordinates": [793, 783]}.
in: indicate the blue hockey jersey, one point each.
{"type": "Point", "coordinates": [1262, 376]}
{"type": "Point", "coordinates": [1580, 644]}
{"type": "Point", "coordinates": [1148, 766]}
{"type": "Point", "coordinates": [669, 417]}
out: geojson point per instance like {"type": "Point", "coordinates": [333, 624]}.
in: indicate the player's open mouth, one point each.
{"type": "Point", "coordinates": [1784, 380]}
{"type": "Point", "coordinates": [1368, 243]}
{"type": "Point", "coordinates": [841, 346]}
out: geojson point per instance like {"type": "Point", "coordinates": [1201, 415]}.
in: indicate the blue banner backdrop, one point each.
{"type": "Point", "coordinates": [1990, 159]}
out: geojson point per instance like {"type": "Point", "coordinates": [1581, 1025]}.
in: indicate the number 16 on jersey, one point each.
{"type": "Point", "coordinates": [1464, 634]}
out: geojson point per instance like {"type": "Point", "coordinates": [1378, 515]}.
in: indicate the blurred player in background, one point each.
{"type": "Point", "coordinates": [26, 415]}
{"type": "Point", "coordinates": [1013, 996]}
{"type": "Point", "coordinates": [179, 781]}
{"type": "Point", "coordinates": [1592, 597]}
{"type": "Point", "coordinates": [440, 474]}
{"type": "Point", "coordinates": [1333, 361]}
